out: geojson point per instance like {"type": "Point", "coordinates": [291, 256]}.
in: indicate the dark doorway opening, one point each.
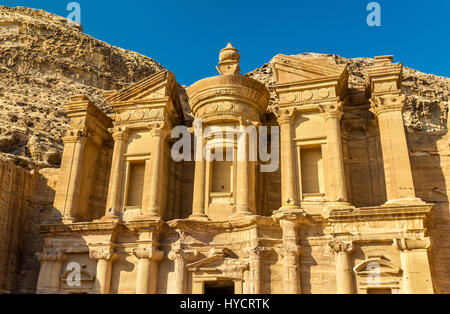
{"type": "Point", "coordinates": [379, 291]}
{"type": "Point", "coordinates": [219, 287]}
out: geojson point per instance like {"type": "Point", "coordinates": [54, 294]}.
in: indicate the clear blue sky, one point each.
{"type": "Point", "coordinates": [186, 36]}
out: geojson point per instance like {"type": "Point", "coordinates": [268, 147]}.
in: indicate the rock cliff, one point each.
{"type": "Point", "coordinates": [43, 62]}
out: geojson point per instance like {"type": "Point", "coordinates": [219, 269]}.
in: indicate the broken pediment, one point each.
{"type": "Point", "coordinates": [377, 265]}
{"type": "Point", "coordinates": [220, 261]}
{"type": "Point", "coordinates": [158, 86]}
{"type": "Point", "coordinates": [289, 69]}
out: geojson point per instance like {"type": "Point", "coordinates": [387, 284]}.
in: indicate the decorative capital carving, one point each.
{"type": "Point", "coordinates": [51, 257]}
{"type": "Point", "coordinates": [409, 244]}
{"type": "Point", "coordinates": [152, 254]}
{"type": "Point", "coordinates": [76, 135]}
{"type": "Point", "coordinates": [284, 116]}
{"type": "Point", "coordinates": [158, 130]}
{"type": "Point", "coordinates": [186, 255]}
{"type": "Point", "coordinates": [341, 247]}
{"type": "Point", "coordinates": [381, 104]}
{"type": "Point", "coordinates": [287, 250]}
{"type": "Point", "coordinates": [258, 251]}
{"type": "Point", "coordinates": [119, 134]}
{"type": "Point", "coordinates": [332, 110]}
{"type": "Point", "coordinates": [98, 254]}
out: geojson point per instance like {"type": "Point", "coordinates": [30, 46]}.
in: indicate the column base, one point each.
{"type": "Point", "coordinates": [404, 201]}
{"type": "Point", "coordinates": [109, 218]}
{"type": "Point", "coordinates": [153, 217]}
{"type": "Point", "coordinates": [199, 217]}
{"type": "Point", "coordinates": [289, 210]}
{"type": "Point", "coordinates": [338, 206]}
{"type": "Point", "coordinates": [69, 220]}
{"type": "Point", "coordinates": [241, 215]}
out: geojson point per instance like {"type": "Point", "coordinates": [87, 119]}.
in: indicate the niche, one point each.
{"type": "Point", "coordinates": [312, 170]}
{"type": "Point", "coordinates": [221, 176]}
{"type": "Point", "coordinates": [221, 287]}
{"type": "Point", "coordinates": [135, 184]}
{"type": "Point", "coordinates": [379, 291]}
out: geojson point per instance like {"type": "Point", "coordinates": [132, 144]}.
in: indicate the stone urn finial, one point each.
{"type": "Point", "coordinates": [229, 59]}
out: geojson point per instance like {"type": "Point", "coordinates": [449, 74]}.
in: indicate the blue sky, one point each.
{"type": "Point", "coordinates": [186, 36]}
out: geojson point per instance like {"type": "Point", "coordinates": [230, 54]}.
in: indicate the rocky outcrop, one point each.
{"type": "Point", "coordinates": [43, 62]}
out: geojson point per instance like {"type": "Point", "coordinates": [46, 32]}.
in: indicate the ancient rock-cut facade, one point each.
{"type": "Point", "coordinates": [137, 221]}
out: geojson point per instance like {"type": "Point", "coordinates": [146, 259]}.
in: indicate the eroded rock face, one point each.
{"type": "Point", "coordinates": [43, 62]}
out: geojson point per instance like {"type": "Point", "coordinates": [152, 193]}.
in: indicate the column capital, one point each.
{"type": "Point", "coordinates": [285, 115]}
{"type": "Point", "coordinates": [158, 129]}
{"type": "Point", "coordinates": [150, 253]}
{"type": "Point", "coordinates": [332, 110]}
{"type": "Point", "coordinates": [387, 103]}
{"type": "Point", "coordinates": [258, 251]}
{"type": "Point", "coordinates": [341, 247]}
{"type": "Point", "coordinates": [409, 244]}
{"type": "Point", "coordinates": [186, 255]}
{"type": "Point", "coordinates": [105, 255]}
{"type": "Point", "coordinates": [75, 135]}
{"type": "Point", "coordinates": [120, 133]}
{"type": "Point", "coordinates": [289, 250]}
{"type": "Point", "coordinates": [51, 257]}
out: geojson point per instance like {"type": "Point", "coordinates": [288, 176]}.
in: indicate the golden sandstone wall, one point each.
{"type": "Point", "coordinates": [27, 199]}
{"type": "Point", "coordinates": [341, 203]}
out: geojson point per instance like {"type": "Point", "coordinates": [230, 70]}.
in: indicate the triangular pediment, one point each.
{"type": "Point", "coordinates": [159, 85]}
{"type": "Point", "coordinates": [289, 69]}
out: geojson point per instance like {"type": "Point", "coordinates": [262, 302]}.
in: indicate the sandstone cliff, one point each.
{"type": "Point", "coordinates": [43, 62]}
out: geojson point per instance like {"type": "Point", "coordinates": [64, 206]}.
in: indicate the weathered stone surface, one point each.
{"type": "Point", "coordinates": [345, 198]}
{"type": "Point", "coordinates": [43, 62]}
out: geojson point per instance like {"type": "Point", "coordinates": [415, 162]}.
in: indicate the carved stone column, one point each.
{"type": "Point", "coordinates": [67, 196]}
{"type": "Point", "coordinates": [147, 277]}
{"type": "Point", "coordinates": [243, 179]}
{"type": "Point", "coordinates": [291, 256]}
{"type": "Point", "coordinates": [415, 265]}
{"type": "Point", "coordinates": [336, 174]}
{"type": "Point", "coordinates": [256, 262]}
{"type": "Point", "coordinates": [344, 272]}
{"type": "Point", "coordinates": [50, 272]}
{"type": "Point", "coordinates": [152, 208]}
{"type": "Point", "coordinates": [397, 166]}
{"type": "Point", "coordinates": [291, 268]}
{"type": "Point", "coordinates": [105, 259]}
{"type": "Point", "coordinates": [288, 168]}
{"type": "Point", "coordinates": [114, 200]}
{"type": "Point", "coordinates": [181, 258]}
{"type": "Point", "coordinates": [199, 201]}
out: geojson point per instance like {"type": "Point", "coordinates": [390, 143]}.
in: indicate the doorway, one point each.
{"type": "Point", "coordinates": [220, 287]}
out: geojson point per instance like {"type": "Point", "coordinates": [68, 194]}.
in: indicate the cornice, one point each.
{"type": "Point", "coordinates": [381, 212]}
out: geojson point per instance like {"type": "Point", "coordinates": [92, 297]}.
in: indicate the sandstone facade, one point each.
{"type": "Point", "coordinates": [136, 221]}
{"type": "Point", "coordinates": [37, 77]}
